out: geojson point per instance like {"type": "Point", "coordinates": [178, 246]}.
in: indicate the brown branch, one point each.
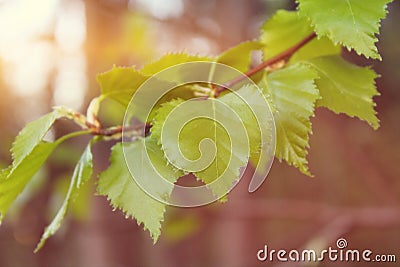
{"type": "Point", "coordinates": [284, 56]}
{"type": "Point", "coordinates": [119, 129]}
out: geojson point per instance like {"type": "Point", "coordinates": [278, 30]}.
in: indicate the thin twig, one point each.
{"type": "Point", "coordinates": [284, 56]}
{"type": "Point", "coordinates": [118, 129]}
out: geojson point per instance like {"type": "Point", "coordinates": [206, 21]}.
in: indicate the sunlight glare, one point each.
{"type": "Point", "coordinates": [163, 9]}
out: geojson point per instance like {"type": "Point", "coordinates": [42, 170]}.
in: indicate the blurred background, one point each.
{"type": "Point", "coordinates": [50, 53]}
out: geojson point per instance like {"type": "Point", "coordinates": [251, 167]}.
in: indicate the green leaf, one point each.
{"type": "Point", "coordinates": [353, 23]}
{"type": "Point", "coordinates": [120, 83]}
{"type": "Point", "coordinates": [187, 91]}
{"type": "Point", "coordinates": [82, 173]}
{"type": "Point", "coordinates": [285, 29]}
{"type": "Point", "coordinates": [293, 93]}
{"type": "Point", "coordinates": [211, 142]}
{"type": "Point", "coordinates": [318, 47]}
{"type": "Point", "coordinates": [282, 31]}
{"type": "Point", "coordinates": [346, 88]}
{"type": "Point", "coordinates": [120, 188]}
{"type": "Point", "coordinates": [170, 60]}
{"type": "Point", "coordinates": [245, 109]}
{"type": "Point", "coordinates": [239, 57]}
{"type": "Point", "coordinates": [209, 160]}
{"type": "Point", "coordinates": [161, 115]}
{"type": "Point", "coordinates": [174, 77]}
{"type": "Point", "coordinates": [14, 179]}
{"type": "Point", "coordinates": [31, 135]}
{"type": "Point", "coordinates": [29, 153]}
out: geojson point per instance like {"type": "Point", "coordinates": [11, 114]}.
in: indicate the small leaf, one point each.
{"type": "Point", "coordinates": [29, 153]}
{"type": "Point", "coordinates": [215, 137]}
{"type": "Point", "coordinates": [293, 93]}
{"type": "Point", "coordinates": [239, 57]}
{"type": "Point", "coordinates": [353, 23]}
{"type": "Point", "coordinates": [187, 91]}
{"type": "Point", "coordinates": [14, 179]}
{"type": "Point", "coordinates": [170, 60]}
{"type": "Point", "coordinates": [203, 146]}
{"type": "Point", "coordinates": [120, 188]}
{"type": "Point", "coordinates": [320, 46]}
{"type": "Point", "coordinates": [82, 173]}
{"type": "Point", "coordinates": [246, 108]}
{"type": "Point", "coordinates": [31, 135]}
{"type": "Point", "coordinates": [287, 28]}
{"type": "Point", "coordinates": [120, 83]}
{"type": "Point", "coordinates": [93, 111]}
{"type": "Point", "coordinates": [282, 31]}
{"type": "Point", "coordinates": [346, 88]}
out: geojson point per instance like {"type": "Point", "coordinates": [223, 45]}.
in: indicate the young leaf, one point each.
{"type": "Point", "coordinates": [239, 57]}
{"type": "Point", "coordinates": [353, 23]}
{"type": "Point", "coordinates": [216, 137]}
{"type": "Point", "coordinates": [287, 28]}
{"type": "Point", "coordinates": [29, 153]}
{"type": "Point", "coordinates": [346, 88]}
{"type": "Point", "coordinates": [282, 31]}
{"type": "Point", "coordinates": [120, 83]}
{"type": "Point", "coordinates": [31, 135]}
{"type": "Point", "coordinates": [293, 93]}
{"type": "Point", "coordinates": [211, 159]}
{"type": "Point", "coordinates": [245, 109]}
{"type": "Point", "coordinates": [170, 60]}
{"type": "Point", "coordinates": [161, 114]}
{"type": "Point", "coordinates": [320, 46]}
{"type": "Point", "coordinates": [14, 179]}
{"type": "Point", "coordinates": [118, 185]}
{"type": "Point", "coordinates": [82, 173]}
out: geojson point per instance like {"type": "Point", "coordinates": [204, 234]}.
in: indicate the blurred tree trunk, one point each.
{"type": "Point", "coordinates": [100, 243]}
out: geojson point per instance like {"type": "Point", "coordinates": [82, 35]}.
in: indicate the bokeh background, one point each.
{"type": "Point", "coordinates": [50, 53]}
